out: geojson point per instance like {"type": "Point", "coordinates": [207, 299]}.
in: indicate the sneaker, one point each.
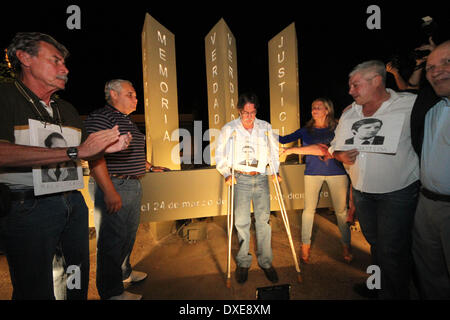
{"type": "Point", "coordinates": [135, 276]}
{"type": "Point", "coordinates": [241, 274]}
{"type": "Point", "coordinates": [127, 296]}
{"type": "Point", "coordinates": [271, 274]}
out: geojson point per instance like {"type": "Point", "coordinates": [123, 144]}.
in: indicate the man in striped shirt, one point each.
{"type": "Point", "coordinates": [117, 192]}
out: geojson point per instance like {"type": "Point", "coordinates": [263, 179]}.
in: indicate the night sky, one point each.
{"type": "Point", "coordinates": [332, 38]}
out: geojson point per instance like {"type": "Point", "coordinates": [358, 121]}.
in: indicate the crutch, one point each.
{"type": "Point", "coordinates": [230, 209]}
{"type": "Point", "coordinates": [279, 195]}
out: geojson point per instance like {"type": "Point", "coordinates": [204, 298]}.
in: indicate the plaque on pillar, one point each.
{"type": "Point", "coordinates": [283, 82]}
{"type": "Point", "coordinates": [160, 94]}
{"type": "Point", "coordinates": [222, 84]}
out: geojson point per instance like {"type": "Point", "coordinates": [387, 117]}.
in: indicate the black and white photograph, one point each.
{"type": "Point", "coordinates": [365, 132]}
{"type": "Point", "coordinates": [373, 134]}
{"type": "Point", "coordinates": [250, 158]}
{"type": "Point", "coordinates": [58, 177]}
{"type": "Point", "coordinates": [64, 171]}
{"type": "Point", "coordinates": [201, 156]}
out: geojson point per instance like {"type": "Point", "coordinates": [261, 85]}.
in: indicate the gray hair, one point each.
{"type": "Point", "coordinates": [371, 66]}
{"type": "Point", "coordinates": [29, 42]}
{"type": "Point", "coordinates": [115, 85]}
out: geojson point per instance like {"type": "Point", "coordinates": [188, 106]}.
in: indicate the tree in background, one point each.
{"type": "Point", "coordinates": [6, 72]}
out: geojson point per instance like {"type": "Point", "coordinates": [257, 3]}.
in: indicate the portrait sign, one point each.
{"type": "Point", "coordinates": [372, 134]}
{"type": "Point", "coordinates": [251, 155]}
{"type": "Point", "coordinates": [57, 177]}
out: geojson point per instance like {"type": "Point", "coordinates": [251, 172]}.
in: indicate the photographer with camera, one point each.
{"type": "Point", "coordinates": [420, 54]}
{"type": "Point", "coordinates": [393, 68]}
{"type": "Point", "coordinates": [428, 30]}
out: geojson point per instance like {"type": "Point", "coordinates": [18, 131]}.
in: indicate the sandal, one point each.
{"type": "Point", "coordinates": [306, 248]}
{"type": "Point", "coordinates": [348, 256]}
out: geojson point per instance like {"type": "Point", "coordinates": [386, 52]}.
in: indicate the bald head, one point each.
{"type": "Point", "coordinates": [438, 69]}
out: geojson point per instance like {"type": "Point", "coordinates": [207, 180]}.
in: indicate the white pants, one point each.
{"type": "Point", "coordinates": [338, 186]}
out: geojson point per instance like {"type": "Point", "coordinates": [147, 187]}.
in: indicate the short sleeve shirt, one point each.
{"type": "Point", "coordinates": [130, 161]}
{"type": "Point", "coordinates": [14, 128]}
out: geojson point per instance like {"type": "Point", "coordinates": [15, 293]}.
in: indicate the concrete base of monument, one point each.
{"type": "Point", "coordinates": [182, 270]}
{"type": "Point", "coordinates": [197, 270]}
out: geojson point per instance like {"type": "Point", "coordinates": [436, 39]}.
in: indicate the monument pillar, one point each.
{"type": "Point", "coordinates": [283, 82]}
{"type": "Point", "coordinates": [160, 94]}
{"type": "Point", "coordinates": [222, 83]}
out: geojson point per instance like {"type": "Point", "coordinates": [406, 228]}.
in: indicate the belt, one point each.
{"type": "Point", "coordinates": [126, 177]}
{"type": "Point", "coordinates": [434, 196]}
{"type": "Point", "coordinates": [251, 173]}
{"type": "Point", "coordinates": [22, 195]}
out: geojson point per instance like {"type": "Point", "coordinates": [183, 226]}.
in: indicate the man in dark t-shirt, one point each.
{"type": "Point", "coordinates": [35, 226]}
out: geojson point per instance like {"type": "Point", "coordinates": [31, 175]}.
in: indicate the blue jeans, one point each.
{"type": "Point", "coordinates": [32, 232]}
{"type": "Point", "coordinates": [256, 189]}
{"type": "Point", "coordinates": [386, 221]}
{"type": "Point", "coordinates": [116, 234]}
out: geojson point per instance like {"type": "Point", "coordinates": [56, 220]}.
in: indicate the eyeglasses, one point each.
{"type": "Point", "coordinates": [245, 113]}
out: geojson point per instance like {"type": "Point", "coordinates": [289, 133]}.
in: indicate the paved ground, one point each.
{"type": "Point", "coordinates": [180, 270]}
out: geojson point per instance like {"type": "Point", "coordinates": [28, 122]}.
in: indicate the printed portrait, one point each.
{"type": "Point", "coordinates": [380, 134]}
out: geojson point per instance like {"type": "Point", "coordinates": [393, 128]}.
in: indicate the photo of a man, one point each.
{"type": "Point", "coordinates": [250, 159]}
{"type": "Point", "coordinates": [64, 171]}
{"type": "Point", "coordinates": [365, 132]}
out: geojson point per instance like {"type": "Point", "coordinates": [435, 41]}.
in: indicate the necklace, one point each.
{"type": "Point", "coordinates": [31, 100]}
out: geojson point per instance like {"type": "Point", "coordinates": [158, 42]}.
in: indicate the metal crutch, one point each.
{"type": "Point", "coordinates": [279, 195]}
{"type": "Point", "coordinates": [230, 209]}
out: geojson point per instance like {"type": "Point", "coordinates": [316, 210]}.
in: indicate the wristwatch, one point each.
{"type": "Point", "coordinates": [72, 152]}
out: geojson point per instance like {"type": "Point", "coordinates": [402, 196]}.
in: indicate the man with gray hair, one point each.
{"type": "Point", "coordinates": [385, 186]}
{"type": "Point", "coordinates": [117, 192]}
{"type": "Point", "coordinates": [33, 227]}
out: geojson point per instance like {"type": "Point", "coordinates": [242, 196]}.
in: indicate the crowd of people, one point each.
{"type": "Point", "coordinates": [402, 199]}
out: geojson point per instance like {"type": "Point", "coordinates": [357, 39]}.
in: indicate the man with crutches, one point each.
{"type": "Point", "coordinates": [243, 148]}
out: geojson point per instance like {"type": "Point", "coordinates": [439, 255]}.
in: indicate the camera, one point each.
{"type": "Point", "coordinates": [419, 54]}
{"type": "Point", "coordinates": [428, 29]}
{"type": "Point", "coordinates": [428, 26]}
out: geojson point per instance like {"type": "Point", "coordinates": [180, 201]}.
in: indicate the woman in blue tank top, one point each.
{"type": "Point", "coordinates": [319, 167]}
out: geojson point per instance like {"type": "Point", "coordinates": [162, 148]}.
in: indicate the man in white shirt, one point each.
{"type": "Point", "coordinates": [385, 186]}
{"type": "Point", "coordinates": [430, 131]}
{"type": "Point", "coordinates": [254, 147]}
